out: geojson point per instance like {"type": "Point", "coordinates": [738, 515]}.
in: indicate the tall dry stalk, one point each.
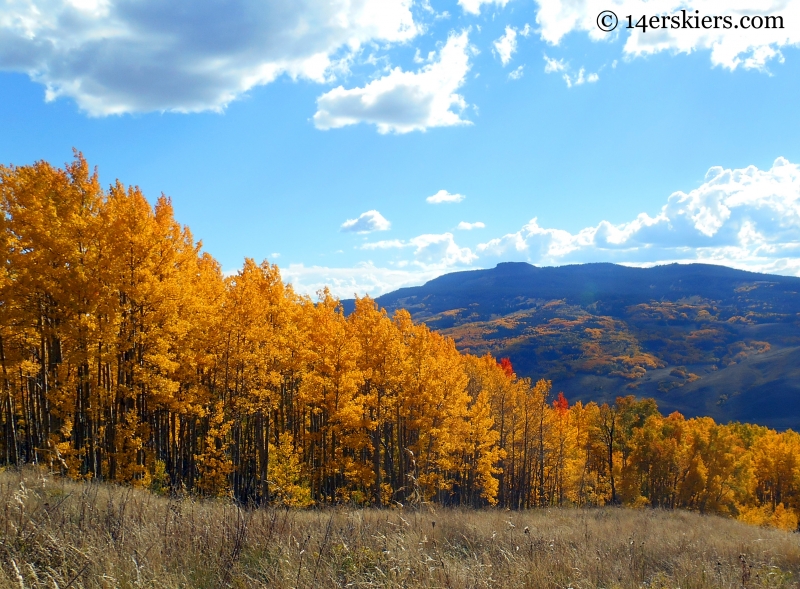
{"type": "Point", "coordinates": [58, 533]}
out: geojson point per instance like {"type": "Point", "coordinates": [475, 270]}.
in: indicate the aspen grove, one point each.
{"type": "Point", "coordinates": [128, 356]}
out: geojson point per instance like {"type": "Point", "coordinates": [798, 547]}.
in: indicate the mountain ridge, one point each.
{"type": "Point", "coordinates": [701, 339]}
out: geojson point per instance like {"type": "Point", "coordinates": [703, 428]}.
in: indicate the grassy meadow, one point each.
{"type": "Point", "coordinates": [57, 533]}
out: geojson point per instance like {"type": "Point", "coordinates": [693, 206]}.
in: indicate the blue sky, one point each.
{"type": "Point", "coordinates": [313, 133]}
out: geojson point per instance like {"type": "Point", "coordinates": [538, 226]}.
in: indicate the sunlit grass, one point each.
{"type": "Point", "coordinates": [59, 533]}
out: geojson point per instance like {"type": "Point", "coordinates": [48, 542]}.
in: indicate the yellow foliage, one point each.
{"type": "Point", "coordinates": [285, 476]}
{"type": "Point", "coordinates": [126, 355]}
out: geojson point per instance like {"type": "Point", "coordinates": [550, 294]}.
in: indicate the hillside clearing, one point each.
{"type": "Point", "coordinates": [59, 533]}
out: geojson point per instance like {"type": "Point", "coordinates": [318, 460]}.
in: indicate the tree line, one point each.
{"type": "Point", "coordinates": [128, 356]}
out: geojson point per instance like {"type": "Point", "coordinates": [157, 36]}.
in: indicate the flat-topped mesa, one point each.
{"type": "Point", "coordinates": [702, 339]}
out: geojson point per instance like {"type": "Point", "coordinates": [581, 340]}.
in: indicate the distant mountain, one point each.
{"type": "Point", "coordinates": [701, 339]}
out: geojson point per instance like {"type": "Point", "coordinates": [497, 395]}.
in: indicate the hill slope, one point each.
{"type": "Point", "coordinates": [701, 339]}
{"type": "Point", "coordinates": [59, 533]}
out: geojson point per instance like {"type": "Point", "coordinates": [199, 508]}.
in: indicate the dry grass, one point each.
{"type": "Point", "coordinates": [57, 533]}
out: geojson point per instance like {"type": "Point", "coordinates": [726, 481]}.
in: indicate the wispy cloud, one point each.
{"type": "Point", "coordinates": [580, 78]}
{"type": "Point", "coordinates": [384, 244]}
{"type": "Point", "coordinates": [556, 66]}
{"type": "Point", "coordinates": [517, 73]}
{"type": "Point", "coordinates": [552, 66]}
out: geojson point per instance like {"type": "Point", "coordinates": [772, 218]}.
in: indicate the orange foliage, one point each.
{"type": "Point", "coordinates": [127, 356]}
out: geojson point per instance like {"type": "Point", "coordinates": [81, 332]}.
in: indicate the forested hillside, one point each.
{"type": "Point", "coordinates": [127, 356]}
{"type": "Point", "coordinates": [703, 340]}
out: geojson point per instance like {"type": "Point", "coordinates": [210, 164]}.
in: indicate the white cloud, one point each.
{"type": "Point", "coordinates": [433, 255]}
{"type": "Point", "coordinates": [441, 250]}
{"type": "Point", "coordinates": [474, 6]}
{"type": "Point", "coordinates": [364, 278]}
{"type": "Point", "coordinates": [464, 226]}
{"type": "Point", "coordinates": [730, 48]}
{"type": "Point", "coordinates": [430, 249]}
{"type": "Point", "coordinates": [555, 66]}
{"type": "Point", "coordinates": [443, 196]}
{"type": "Point", "coordinates": [384, 245]}
{"type": "Point", "coordinates": [403, 101]}
{"type": "Point", "coordinates": [580, 78]}
{"type": "Point", "coordinates": [506, 45]}
{"type": "Point", "coordinates": [745, 218]}
{"type": "Point", "coordinates": [517, 73]}
{"type": "Point", "coordinates": [366, 223]}
{"type": "Point", "coordinates": [121, 56]}
{"type": "Point", "coordinates": [552, 66]}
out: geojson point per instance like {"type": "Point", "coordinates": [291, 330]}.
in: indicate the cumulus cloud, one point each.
{"type": "Point", "coordinates": [443, 196]}
{"type": "Point", "coordinates": [404, 101]}
{"type": "Point", "coordinates": [506, 46]}
{"type": "Point", "coordinates": [121, 56]}
{"type": "Point", "coordinates": [474, 6]}
{"type": "Point", "coordinates": [730, 48]}
{"type": "Point", "coordinates": [745, 218]}
{"type": "Point", "coordinates": [366, 223]}
{"type": "Point", "coordinates": [464, 226]}
{"type": "Point", "coordinates": [440, 250]}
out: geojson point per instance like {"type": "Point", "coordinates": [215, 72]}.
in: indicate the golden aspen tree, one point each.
{"type": "Point", "coordinates": [608, 430]}
{"type": "Point", "coordinates": [200, 357]}
{"type": "Point", "coordinates": [536, 408]}
{"type": "Point", "coordinates": [286, 478]}
{"type": "Point", "coordinates": [583, 486]}
{"type": "Point", "coordinates": [329, 390]}
{"type": "Point", "coordinates": [252, 324]}
{"type": "Point", "coordinates": [563, 438]}
{"type": "Point", "coordinates": [775, 459]}
{"type": "Point", "coordinates": [477, 482]}
{"type": "Point", "coordinates": [434, 409]}
{"type": "Point", "coordinates": [146, 279]}
{"type": "Point", "coordinates": [650, 469]}
{"type": "Point", "coordinates": [712, 464]}
{"type": "Point", "coordinates": [380, 362]}
{"type": "Point", "coordinates": [54, 253]}
{"type": "Point", "coordinates": [503, 393]}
